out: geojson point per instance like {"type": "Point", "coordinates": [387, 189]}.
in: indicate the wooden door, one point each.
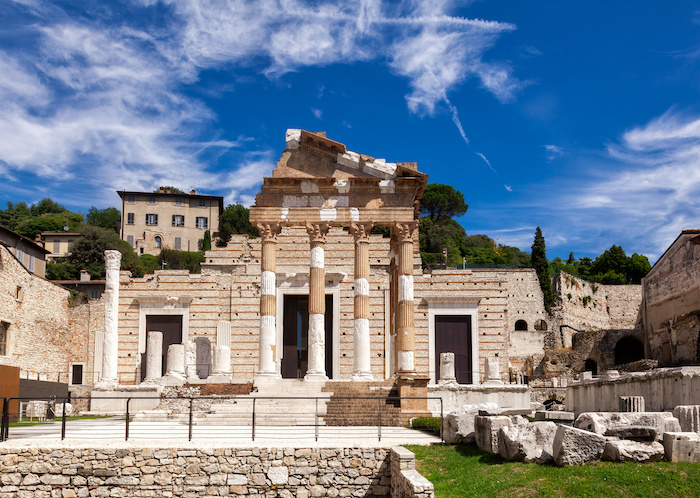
{"type": "Point", "coordinates": [453, 334]}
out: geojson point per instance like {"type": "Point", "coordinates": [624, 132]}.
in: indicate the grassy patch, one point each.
{"type": "Point", "coordinates": [464, 470]}
{"type": "Point", "coordinates": [58, 420]}
{"type": "Point", "coordinates": [429, 424]}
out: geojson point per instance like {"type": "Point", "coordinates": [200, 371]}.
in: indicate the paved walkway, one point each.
{"type": "Point", "coordinates": [111, 431]}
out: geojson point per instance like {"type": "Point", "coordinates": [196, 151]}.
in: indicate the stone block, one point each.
{"type": "Point", "coordinates": [682, 446]}
{"type": "Point", "coordinates": [486, 430]}
{"type": "Point", "coordinates": [631, 403]}
{"type": "Point", "coordinates": [575, 446]}
{"type": "Point", "coordinates": [459, 424]}
{"type": "Point", "coordinates": [278, 475]}
{"type": "Point", "coordinates": [555, 416]}
{"type": "Point", "coordinates": [689, 417]}
{"type": "Point", "coordinates": [532, 442]}
{"type": "Point", "coordinates": [601, 422]}
{"type": "Point", "coordinates": [633, 451]}
{"type": "Point", "coordinates": [635, 433]}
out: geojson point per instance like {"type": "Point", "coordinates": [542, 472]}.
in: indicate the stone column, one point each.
{"type": "Point", "coordinates": [175, 361]}
{"type": "Point", "coordinates": [222, 360]}
{"type": "Point", "coordinates": [154, 356]}
{"type": "Point", "coordinates": [110, 348]}
{"type": "Point", "coordinates": [268, 301]}
{"type": "Point", "coordinates": [362, 370]}
{"type": "Point", "coordinates": [316, 369]}
{"type": "Point", "coordinates": [405, 331]}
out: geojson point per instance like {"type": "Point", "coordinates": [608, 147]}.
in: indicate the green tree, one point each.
{"type": "Point", "coordinates": [10, 217]}
{"type": "Point", "coordinates": [173, 190]}
{"type": "Point", "coordinates": [46, 205]}
{"type": "Point", "coordinates": [104, 218]}
{"type": "Point", "coordinates": [234, 220]}
{"type": "Point", "coordinates": [49, 222]}
{"type": "Point", "coordinates": [181, 260]}
{"type": "Point", "coordinates": [442, 201]}
{"type": "Point", "coordinates": [205, 242]}
{"type": "Point", "coordinates": [88, 252]}
{"type": "Point", "coordinates": [541, 266]}
{"type": "Point", "coordinates": [636, 268]}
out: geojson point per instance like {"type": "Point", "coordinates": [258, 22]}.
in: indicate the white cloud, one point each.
{"type": "Point", "coordinates": [318, 113]}
{"type": "Point", "coordinates": [553, 151]}
{"type": "Point", "coordinates": [508, 188]}
{"type": "Point", "coordinates": [485, 160]}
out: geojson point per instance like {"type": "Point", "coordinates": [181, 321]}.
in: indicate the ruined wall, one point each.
{"type": "Point", "coordinates": [36, 315]}
{"type": "Point", "coordinates": [526, 303]}
{"type": "Point", "coordinates": [672, 303]}
{"type": "Point", "coordinates": [85, 320]}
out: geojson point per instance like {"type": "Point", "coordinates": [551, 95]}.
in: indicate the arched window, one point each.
{"type": "Point", "coordinates": [540, 325]}
{"type": "Point", "coordinates": [628, 349]}
{"type": "Point", "coordinates": [590, 366]}
{"type": "Point", "coordinates": [158, 242]}
{"type": "Point", "coordinates": [521, 325]}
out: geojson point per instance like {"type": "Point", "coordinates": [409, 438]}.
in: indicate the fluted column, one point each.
{"type": "Point", "coordinates": [405, 330]}
{"type": "Point", "coordinates": [316, 369]}
{"type": "Point", "coordinates": [110, 349]}
{"type": "Point", "coordinates": [362, 370]}
{"type": "Point", "coordinates": [268, 300]}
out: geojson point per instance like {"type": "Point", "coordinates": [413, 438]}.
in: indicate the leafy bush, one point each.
{"type": "Point", "coordinates": [430, 424]}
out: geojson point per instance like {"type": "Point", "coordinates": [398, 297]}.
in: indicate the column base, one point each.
{"type": "Point", "coordinates": [266, 376]}
{"type": "Point", "coordinates": [362, 377]}
{"type": "Point", "coordinates": [107, 385]}
{"type": "Point", "coordinates": [316, 377]}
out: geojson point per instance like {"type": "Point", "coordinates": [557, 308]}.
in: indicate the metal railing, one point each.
{"type": "Point", "coordinates": [254, 413]}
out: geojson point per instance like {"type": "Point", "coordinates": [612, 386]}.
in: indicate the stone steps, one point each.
{"type": "Point", "coordinates": [341, 411]}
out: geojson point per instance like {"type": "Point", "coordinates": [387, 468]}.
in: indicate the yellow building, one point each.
{"type": "Point", "coordinates": [152, 221]}
{"type": "Point", "coordinates": [58, 243]}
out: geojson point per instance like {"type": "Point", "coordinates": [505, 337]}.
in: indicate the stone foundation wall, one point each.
{"type": "Point", "coordinates": [148, 472]}
{"type": "Point", "coordinates": [84, 321]}
{"type": "Point", "coordinates": [663, 389]}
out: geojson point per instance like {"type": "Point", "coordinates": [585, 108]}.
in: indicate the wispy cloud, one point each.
{"type": "Point", "coordinates": [508, 188]}
{"type": "Point", "coordinates": [553, 151]}
{"type": "Point", "coordinates": [102, 102]}
{"type": "Point", "coordinates": [485, 160]}
{"type": "Point", "coordinates": [318, 113]}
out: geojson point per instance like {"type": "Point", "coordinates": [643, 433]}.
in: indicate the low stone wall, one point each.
{"type": "Point", "coordinates": [514, 396]}
{"type": "Point", "coordinates": [663, 389]}
{"type": "Point", "coordinates": [149, 472]}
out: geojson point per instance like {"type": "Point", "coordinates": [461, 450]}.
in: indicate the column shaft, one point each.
{"type": "Point", "coordinates": [405, 330]}
{"type": "Point", "coordinates": [268, 300]}
{"type": "Point", "coordinates": [362, 369]}
{"type": "Point", "coordinates": [316, 369]}
{"type": "Point", "coordinates": [110, 350]}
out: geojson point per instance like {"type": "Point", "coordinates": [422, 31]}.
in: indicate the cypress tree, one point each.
{"type": "Point", "coordinates": [541, 266]}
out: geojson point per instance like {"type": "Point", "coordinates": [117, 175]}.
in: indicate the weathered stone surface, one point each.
{"type": "Point", "coordinates": [527, 442]}
{"type": "Point", "coordinates": [555, 416]}
{"type": "Point", "coordinates": [632, 404]}
{"type": "Point", "coordinates": [601, 422]}
{"type": "Point", "coordinates": [278, 475]}
{"type": "Point", "coordinates": [689, 417]}
{"type": "Point", "coordinates": [633, 451]}
{"type": "Point", "coordinates": [575, 446]}
{"type": "Point", "coordinates": [459, 424]}
{"type": "Point", "coordinates": [636, 433]}
{"type": "Point", "coordinates": [486, 431]}
{"type": "Point", "coordinates": [682, 446]}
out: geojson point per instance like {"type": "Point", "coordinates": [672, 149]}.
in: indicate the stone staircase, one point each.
{"type": "Point", "coordinates": [363, 412]}
{"type": "Point", "coordinates": [291, 410]}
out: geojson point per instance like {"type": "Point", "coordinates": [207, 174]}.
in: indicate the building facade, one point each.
{"type": "Point", "coordinates": [30, 254]}
{"type": "Point", "coordinates": [152, 221]}
{"type": "Point", "coordinates": [58, 244]}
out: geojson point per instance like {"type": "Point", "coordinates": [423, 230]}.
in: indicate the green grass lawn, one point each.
{"type": "Point", "coordinates": [464, 470]}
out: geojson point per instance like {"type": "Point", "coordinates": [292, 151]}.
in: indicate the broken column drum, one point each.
{"type": "Point", "coordinates": [110, 351]}
{"type": "Point", "coordinates": [176, 360]}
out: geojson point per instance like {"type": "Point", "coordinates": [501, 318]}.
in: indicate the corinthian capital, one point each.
{"type": "Point", "coordinates": [317, 231]}
{"type": "Point", "coordinates": [269, 231]}
{"type": "Point", "coordinates": [112, 259]}
{"type": "Point", "coordinates": [361, 231]}
{"type": "Point", "coordinates": [404, 230]}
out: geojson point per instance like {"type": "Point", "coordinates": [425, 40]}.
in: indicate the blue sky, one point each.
{"type": "Point", "coordinates": [582, 118]}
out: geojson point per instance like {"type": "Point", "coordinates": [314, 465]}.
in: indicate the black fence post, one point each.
{"type": "Point", "coordinates": [126, 436]}
{"type": "Point", "coordinates": [379, 419]}
{"type": "Point", "coordinates": [4, 432]}
{"type": "Point", "coordinates": [190, 423]}
{"type": "Point", "coordinates": [442, 422]}
{"type": "Point", "coordinates": [316, 421]}
{"type": "Point", "coordinates": [63, 421]}
{"type": "Point", "coordinates": [254, 419]}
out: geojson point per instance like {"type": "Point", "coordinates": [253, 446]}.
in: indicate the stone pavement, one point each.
{"type": "Point", "coordinates": [108, 431]}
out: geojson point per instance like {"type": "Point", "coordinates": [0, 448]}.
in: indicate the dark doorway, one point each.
{"type": "Point", "coordinates": [590, 366]}
{"type": "Point", "coordinates": [171, 326]}
{"type": "Point", "coordinates": [453, 334]}
{"type": "Point", "coordinates": [77, 374]}
{"type": "Point", "coordinates": [628, 349]}
{"type": "Point", "coordinates": [295, 336]}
